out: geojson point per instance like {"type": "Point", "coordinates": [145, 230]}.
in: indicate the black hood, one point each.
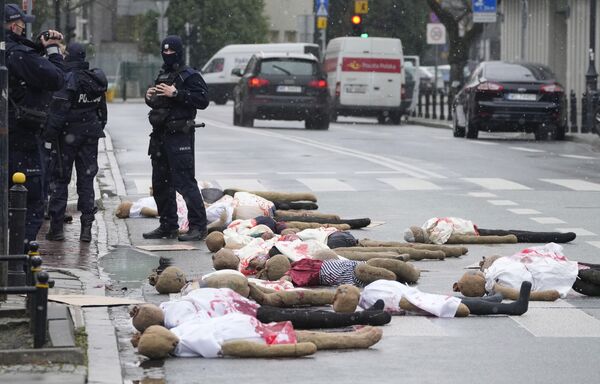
{"type": "Point", "coordinates": [75, 52]}
{"type": "Point", "coordinates": [176, 59]}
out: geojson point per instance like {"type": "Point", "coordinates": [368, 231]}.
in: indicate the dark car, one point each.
{"type": "Point", "coordinates": [282, 87]}
{"type": "Point", "coordinates": [507, 97]}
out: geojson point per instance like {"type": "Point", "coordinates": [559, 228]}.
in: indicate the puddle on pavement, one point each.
{"type": "Point", "coordinates": [127, 267]}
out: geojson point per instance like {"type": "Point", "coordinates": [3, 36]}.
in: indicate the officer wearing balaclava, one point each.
{"type": "Point", "coordinates": [31, 80]}
{"type": "Point", "coordinates": [176, 95]}
{"type": "Point", "coordinates": [76, 121]}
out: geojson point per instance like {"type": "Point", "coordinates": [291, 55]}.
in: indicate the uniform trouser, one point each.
{"type": "Point", "coordinates": [25, 156]}
{"type": "Point", "coordinates": [173, 171]}
{"type": "Point", "coordinates": [83, 152]}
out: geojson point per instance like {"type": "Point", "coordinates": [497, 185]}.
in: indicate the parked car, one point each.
{"type": "Point", "coordinates": [428, 77]}
{"type": "Point", "coordinates": [505, 96]}
{"type": "Point", "coordinates": [282, 86]}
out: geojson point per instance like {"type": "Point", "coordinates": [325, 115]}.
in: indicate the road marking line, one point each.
{"type": "Point", "coordinates": [249, 184]}
{"type": "Point", "coordinates": [497, 184]}
{"type": "Point", "coordinates": [229, 173]}
{"type": "Point", "coordinates": [405, 168]}
{"type": "Point", "coordinates": [524, 211]}
{"type": "Point", "coordinates": [410, 184]}
{"type": "Point", "coordinates": [376, 172]}
{"type": "Point", "coordinates": [143, 174]}
{"type": "Point", "coordinates": [481, 142]}
{"type": "Point", "coordinates": [559, 322]}
{"type": "Point", "coordinates": [579, 157]}
{"type": "Point", "coordinates": [594, 243]}
{"type": "Point", "coordinates": [306, 173]}
{"type": "Point", "coordinates": [547, 220]}
{"type": "Point", "coordinates": [502, 202]}
{"type": "Point", "coordinates": [482, 194]}
{"type": "Point", "coordinates": [114, 166]}
{"type": "Point", "coordinates": [527, 149]}
{"type": "Point", "coordinates": [326, 185]}
{"type": "Point", "coordinates": [578, 231]}
{"type": "Point", "coordinates": [575, 184]}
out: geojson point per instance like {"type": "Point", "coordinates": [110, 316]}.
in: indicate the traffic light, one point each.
{"type": "Point", "coordinates": [357, 25]}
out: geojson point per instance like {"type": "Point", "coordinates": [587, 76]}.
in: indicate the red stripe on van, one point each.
{"type": "Point", "coordinates": [358, 64]}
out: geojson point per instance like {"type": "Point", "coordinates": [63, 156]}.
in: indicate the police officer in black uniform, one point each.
{"type": "Point", "coordinates": [75, 123]}
{"type": "Point", "coordinates": [178, 92]}
{"type": "Point", "coordinates": [31, 80]}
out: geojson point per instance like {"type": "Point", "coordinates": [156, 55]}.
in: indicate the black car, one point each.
{"type": "Point", "coordinates": [279, 86]}
{"type": "Point", "coordinates": [507, 97]}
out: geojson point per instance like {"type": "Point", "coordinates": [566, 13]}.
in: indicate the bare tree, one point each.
{"type": "Point", "coordinates": [457, 17]}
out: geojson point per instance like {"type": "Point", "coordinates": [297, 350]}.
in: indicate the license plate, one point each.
{"type": "Point", "coordinates": [522, 96]}
{"type": "Point", "coordinates": [356, 88]}
{"type": "Point", "coordinates": [289, 88]}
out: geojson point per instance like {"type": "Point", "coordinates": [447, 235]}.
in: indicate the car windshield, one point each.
{"type": "Point", "coordinates": [517, 72]}
{"type": "Point", "coordinates": [288, 67]}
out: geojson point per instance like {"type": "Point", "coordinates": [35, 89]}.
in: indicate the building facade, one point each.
{"type": "Point", "coordinates": [290, 21]}
{"type": "Point", "coordinates": [556, 34]}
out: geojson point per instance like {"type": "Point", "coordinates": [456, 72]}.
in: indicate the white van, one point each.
{"type": "Point", "coordinates": [365, 77]}
{"type": "Point", "coordinates": [217, 71]}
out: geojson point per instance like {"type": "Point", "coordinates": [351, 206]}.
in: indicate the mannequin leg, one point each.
{"type": "Point", "coordinates": [310, 319]}
{"type": "Point", "coordinates": [478, 306]}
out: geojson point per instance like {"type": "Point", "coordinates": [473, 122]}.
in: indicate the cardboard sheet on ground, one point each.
{"type": "Point", "coordinates": [375, 224]}
{"type": "Point", "coordinates": [92, 301]}
{"type": "Point", "coordinates": [167, 247]}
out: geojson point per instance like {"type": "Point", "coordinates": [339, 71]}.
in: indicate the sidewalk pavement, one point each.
{"type": "Point", "coordinates": [588, 138]}
{"type": "Point", "coordinates": [74, 268]}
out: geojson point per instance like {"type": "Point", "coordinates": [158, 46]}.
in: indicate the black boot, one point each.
{"type": "Point", "coordinates": [161, 233]}
{"type": "Point", "coordinates": [478, 306]}
{"type": "Point", "coordinates": [87, 219]}
{"type": "Point", "coordinates": [56, 232]}
{"type": "Point", "coordinates": [194, 234]}
{"type": "Point", "coordinates": [310, 319]}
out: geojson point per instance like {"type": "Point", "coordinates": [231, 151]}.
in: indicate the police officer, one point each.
{"type": "Point", "coordinates": [31, 81]}
{"type": "Point", "coordinates": [178, 92]}
{"type": "Point", "coordinates": [75, 123]}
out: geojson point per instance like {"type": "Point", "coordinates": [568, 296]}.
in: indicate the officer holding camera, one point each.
{"type": "Point", "coordinates": [31, 80]}
{"type": "Point", "coordinates": [178, 92]}
{"type": "Point", "coordinates": [76, 121]}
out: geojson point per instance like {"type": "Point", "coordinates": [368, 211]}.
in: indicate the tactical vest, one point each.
{"type": "Point", "coordinates": [85, 103]}
{"type": "Point", "coordinates": [159, 116]}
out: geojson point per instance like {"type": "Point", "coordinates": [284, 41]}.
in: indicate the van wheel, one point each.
{"type": "Point", "coordinates": [396, 118]}
{"type": "Point", "coordinates": [381, 118]}
{"type": "Point", "coordinates": [561, 130]}
{"type": "Point", "coordinates": [457, 130]}
{"type": "Point", "coordinates": [317, 123]}
{"type": "Point", "coordinates": [333, 115]}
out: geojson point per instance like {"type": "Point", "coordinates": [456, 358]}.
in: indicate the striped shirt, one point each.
{"type": "Point", "coordinates": [338, 272]}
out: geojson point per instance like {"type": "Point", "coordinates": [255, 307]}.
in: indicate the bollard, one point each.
{"type": "Point", "coordinates": [33, 254]}
{"type": "Point", "coordinates": [427, 95]}
{"type": "Point", "coordinates": [41, 309]}
{"type": "Point", "coordinates": [584, 108]}
{"type": "Point", "coordinates": [420, 105]}
{"type": "Point", "coordinates": [36, 266]}
{"type": "Point", "coordinates": [434, 94]}
{"type": "Point", "coordinates": [573, 111]}
{"type": "Point", "coordinates": [442, 116]}
{"type": "Point", "coordinates": [449, 101]}
{"type": "Point", "coordinates": [17, 214]}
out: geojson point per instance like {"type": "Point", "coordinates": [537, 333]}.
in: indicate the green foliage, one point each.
{"type": "Point", "coordinates": [403, 19]}
{"type": "Point", "coordinates": [216, 24]}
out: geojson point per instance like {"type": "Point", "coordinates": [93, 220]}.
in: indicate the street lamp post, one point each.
{"type": "Point", "coordinates": [3, 156]}
{"type": "Point", "coordinates": [591, 77]}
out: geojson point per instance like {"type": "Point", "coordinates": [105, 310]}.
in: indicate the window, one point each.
{"type": "Point", "coordinates": [290, 37]}
{"type": "Point", "coordinates": [517, 72]}
{"type": "Point", "coordinates": [274, 36]}
{"type": "Point", "coordinates": [288, 67]}
{"type": "Point", "coordinates": [215, 65]}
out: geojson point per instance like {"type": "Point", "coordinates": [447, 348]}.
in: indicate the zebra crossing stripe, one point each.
{"type": "Point", "coordinates": [248, 184]}
{"type": "Point", "coordinates": [410, 184]}
{"type": "Point", "coordinates": [559, 322]}
{"type": "Point", "coordinates": [575, 184]}
{"type": "Point", "coordinates": [497, 184]}
{"type": "Point", "coordinates": [326, 185]}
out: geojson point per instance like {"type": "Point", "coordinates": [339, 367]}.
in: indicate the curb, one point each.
{"type": "Point", "coordinates": [42, 356]}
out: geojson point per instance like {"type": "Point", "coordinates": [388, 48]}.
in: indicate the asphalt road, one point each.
{"type": "Point", "coordinates": [402, 176]}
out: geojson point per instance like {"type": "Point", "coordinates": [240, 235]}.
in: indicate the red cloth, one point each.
{"type": "Point", "coordinates": [306, 272]}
